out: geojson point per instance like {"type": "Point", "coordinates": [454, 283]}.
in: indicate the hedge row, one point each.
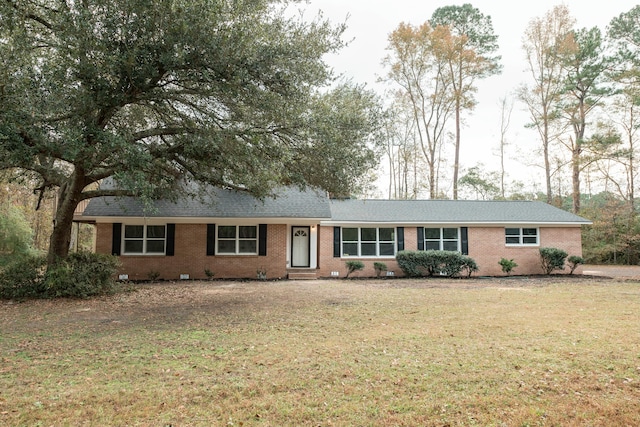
{"type": "Point", "coordinates": [432, 263]}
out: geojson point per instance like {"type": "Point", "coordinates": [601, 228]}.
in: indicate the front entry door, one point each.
{"type": "Point", "coordinates": [300, 246]}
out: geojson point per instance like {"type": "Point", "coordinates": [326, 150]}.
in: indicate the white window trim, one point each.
{"type": "Point", "coordinates": [144, 240]}
{"type": "Point", "coordinates": [441, 240]}
{"type": "Point", "coordinates": [377, 243]}
{"type": "Point", "coordinates": [521, 236]}
{"type": "Point", "coordinates": [237, 240]}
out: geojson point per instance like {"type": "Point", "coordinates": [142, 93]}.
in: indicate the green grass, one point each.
{"type": "Point", "coordinates": [399, 352]}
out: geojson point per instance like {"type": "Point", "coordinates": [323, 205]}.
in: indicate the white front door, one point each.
{"type": "Point", "coordinates": [300, 246]}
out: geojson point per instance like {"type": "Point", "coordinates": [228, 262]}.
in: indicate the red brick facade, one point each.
{"type": "Point", "coordinates": [486, 246]}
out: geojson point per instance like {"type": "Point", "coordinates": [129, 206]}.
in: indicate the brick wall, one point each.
{"type": "Point", "coordinates": [486, 247]}
{"type": "Point", "coordinates": [190, 256]}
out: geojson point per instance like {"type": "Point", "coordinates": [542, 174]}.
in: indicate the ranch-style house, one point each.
{"type": "Point", "coordinates": [305, 234]}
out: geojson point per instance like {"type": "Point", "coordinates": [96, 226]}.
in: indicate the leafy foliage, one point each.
{"type": "Point", "coordinates": [353, 265]}
{"type": "Point", "coordinates": [80, 275]}
{"type": "Point", "coordinates": [155, 92]}
{"type": "Point", "coordinates": [552, 259]}
{"type": "Point", "coordinates": [379, 267]}
{"type": "Point", "coordinates": [15, 232]}
{"type": "Point", "coordinates": [432, 262]}
{"type": "Point", "coordinates": [574, 261]}
{"type": "Point", "coordinates": [23, 277]}
{"type": "Point", "coordinates": [507, 265]}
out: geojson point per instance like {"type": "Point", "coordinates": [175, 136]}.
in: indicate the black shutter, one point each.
{"type": "Point", "coordinates": [116, 238]}
{"type": "Point", "coordinates": [336, 242]}
{"type": "Point", "coordinates": [420, 238]}
{"type": "Point", "coordinates": [211, 239]}
{"type": "Point", "coordinates": [400, 231]}
{"type": "Point", "coordinates": [464, 240]}
{"type": "Point", "coordinates": [262, 240]}
{"type": "Point", "coordinates": [171, 239]}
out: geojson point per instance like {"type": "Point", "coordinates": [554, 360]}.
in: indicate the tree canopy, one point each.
{"type": "Point", "coordinates": [152, 92]}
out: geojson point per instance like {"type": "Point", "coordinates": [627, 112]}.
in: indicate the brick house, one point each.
{"type": "Point", "coordinates": [304, 234]}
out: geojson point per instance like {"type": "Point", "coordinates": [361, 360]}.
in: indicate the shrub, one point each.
{"type": "Point", "coordinates": [552, 259]}
{"type": "Point", "coordinates": [379, 267]}
{"type": "Point", "coordinates": [411, 262]}
{"type": "Point", "coordinates": [354, 266]}
{"type": "Point", "coordinates": [469, 265]}
{"type": "Point", "coordinates": [153, 275]}
{"type": "Point", "coordinates": [574, 262]}
{"type": "Point", "coordinates": [23, 277]}
{"type": "Point", "coordinates": [432, 262]}
{"type": "Point", "coordinates": [81, 275]}
{"type": "Point", "coordinates": [507, 265]}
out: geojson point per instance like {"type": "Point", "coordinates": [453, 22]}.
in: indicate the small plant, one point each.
{"type": "Point", "coordinates": [153, 275]}
{"type": "Point", "coordinates": [552, 259]}
{"type": "Point", "coordinates": [379, 267]}
{"type": "Point", "coordinates": [261, 273]}
{"type": "Point", "coordinates": [507, 265]}
{"type": "Point", "coordinates": [574, 261]}
{"type": "Point", "coordinates": [209, 273]}
{"type": "Point", "coordinates": [469, 266]}
{"type": "Point", "coordinates": [354, 266]}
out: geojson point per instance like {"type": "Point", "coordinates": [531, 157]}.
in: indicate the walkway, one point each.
{"type": "Point", "coordinates": [616, 271]}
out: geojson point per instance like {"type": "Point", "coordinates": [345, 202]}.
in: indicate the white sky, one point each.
{"type": "Point", "coordinates": [369, 23]}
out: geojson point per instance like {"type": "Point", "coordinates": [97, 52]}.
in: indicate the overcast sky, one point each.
{"type": "Point", "coordinates": [369, 23]}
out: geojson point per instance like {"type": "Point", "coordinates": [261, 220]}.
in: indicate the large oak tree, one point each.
{"type": "Point", "coordinates": [155, 92]}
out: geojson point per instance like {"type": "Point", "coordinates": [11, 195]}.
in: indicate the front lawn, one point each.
{"type": "Point", "coordinates": [487, 352]}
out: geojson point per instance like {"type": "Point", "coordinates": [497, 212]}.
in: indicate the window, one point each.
{"type": "Point", "coordinates": [145, 239]}
{"type": "Point", "coordinates": [368, 242]}
{"type": "Point", "coordinates": [442, 239]}
{"type": "Point", "coordinates": [237, 239]}
{"type": "Point", "coordinates": [521, 236]}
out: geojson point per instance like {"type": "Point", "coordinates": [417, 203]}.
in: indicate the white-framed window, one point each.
{"type": "Point", "coordinates": [144, 239]}
{"type": "Point", "coordinates": [521, 236]}
{"type": "Point", "coordinates": [368, 242]}
{"type": "Point", "coordinates": [442, 239]}
{"type": "Point", "coordinates": [237, 240]}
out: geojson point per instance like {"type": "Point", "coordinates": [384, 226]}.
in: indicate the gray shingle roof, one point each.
{"type": "Point", "coordinates": [295, 203]}
{"type": "Point", "coordinates": [449, 211]}
{"type": "Point", "coordinates": [218, 203]}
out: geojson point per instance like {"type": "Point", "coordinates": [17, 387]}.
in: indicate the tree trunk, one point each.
{"type": "Point", "coordinates": [547, 163]}
{"type": "Point", "coordinates": [68, 199]}
{"type": "Point", "coordinates": [575, 165]}
{"type": "Point", "coordinates": [456, 159]}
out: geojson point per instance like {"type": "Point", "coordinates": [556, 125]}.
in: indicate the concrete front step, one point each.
{"type": "Point", "coordinates": [302, 275]}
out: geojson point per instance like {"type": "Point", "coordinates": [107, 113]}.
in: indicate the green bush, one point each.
{"type": "Point", "coordinates": [353, 266]}
{"type": "Point", "coordinates": [15, 232]}
{"type": "Point", "coordinates": [552, 259]}
{"type": "Point", "coordinates": [469, 265]}
{"type": "Point", "coordinates": [80, 275]}
{"type": "Point", "coordinates": [574, 261]}
{"type": "Point", "coordinates": [411, 262]}
{"type": "Point", "coordinates": [379, 267]}
{"type": "Point", "coordinates": [432, 262]}
{"type": "Point", "coordinates": [507, 265]}
{"type": "Point", "coordinates": [23, 277]}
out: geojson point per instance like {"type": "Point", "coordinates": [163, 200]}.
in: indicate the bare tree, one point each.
{"type": "Point", "coordinates": [506, 108]}
{"type": "Point", "coordinates": [414, 65]}
{"type": "Point", "coordinates": [467, 44]}
{"type": "Point", "coordinates": [542, 40]}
